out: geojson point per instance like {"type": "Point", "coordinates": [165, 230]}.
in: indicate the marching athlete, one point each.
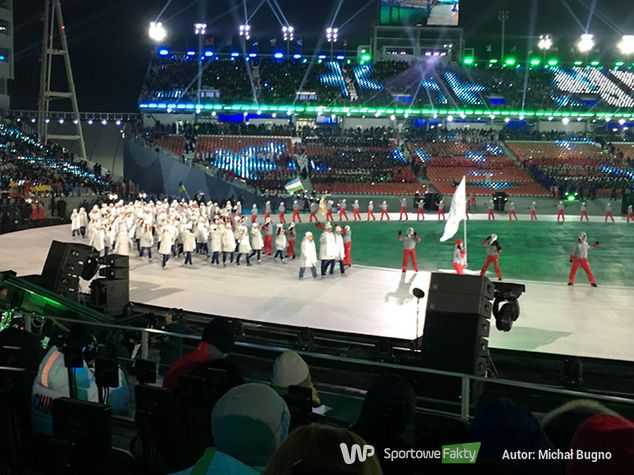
{"type": "Point", "coordinates": [459, 257]}
{"type": "Point", "coordinates": [420, 210]}
{"type": "Point", "coordinates": [254, 213]}
{"type": "Point", "coordinates": [355, 211]}
{"type": "Point", "coordinates": [282, 209]}
{"type": "Point", "coordinates": [342, 210]}
{"type": "Point", "coordinates": [371, 211]}
{"type": "Point", "coordinates": [308, 256]}
{"type": "Point", "coordinates": [608, 212]}
{"type": "Point", "coordinates": [347, 246]}
{"type": "Point", "coordinates": [267, 234]}
{"type": "Point", "coordinates": [409, 248]}
{"type": "Point", "coordinates": [291, 238]}
{"type": "Point", "coordinates": [441, 210]}
{"type": "Point", "coordinates": [267, 210]}
{"type": "Point", "coordinates": [314, 207]}
{"type": "Point", "coordinates": [490, 210]}
{"type": "Point", "coordinates": [512, 213]}
{"type": "Point", "coordinates": [533, 210]}
{"type": "Point", "coordinates": [329, 204]}
{"type": "Point", "coordinates": [384, 210]}
{"type": "Point", "coordinates": [561, 212]}
{"type": "Point", "coordinates": [280, 243]}
{"type": "Point", "coordinates": [257, 244]}
{"type": "Point", "coordinates": [403, 209]}
{"type": "Point", "coordinates": [493, 254]}
{"type": "Point", "coordinates": [630, 214]}
{"type": "Point", "coordinates": [296, 208]}
{"type": "Point", "coordinates": [584, 213]}
{"type": "Point", "coordinates": [579, 258]}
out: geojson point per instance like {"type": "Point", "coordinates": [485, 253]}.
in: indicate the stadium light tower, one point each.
{"type": "Point", "coordinates": [544, 44]}
{"type": "Point", "coordinates": [332, 35]}
{"type": "Point", "coordinates": [626, 45]}
{"type": "Point", "coordinates": [289, 35]}
{"type": "Point", "coordinates": [245, 31]}
{"type": "Point", "coordinates": [157, 32]}
{"type": "Point", "coordinates": [585, 43]}
{"type": "Point", "coordinates": [200, 30]}
{"type": "Point", "coordinates": [503, 16]}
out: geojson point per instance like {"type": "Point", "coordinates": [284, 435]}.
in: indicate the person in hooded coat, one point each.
{"type": "Point", "coordinates": [189, 244]}
{"type": "Point", "coordinates": [75, 224]}
{"type": "Point", "coordinates": [308, 256]}
{"type": "Point", "coordinates": [146, 240]}
{"type": "Point", "coordinates": [215, 236]}
{"type": "Point", "coordinates": [165, 246]}
{"type": "Point", "coordinates": [228, 244]}
{"type": "Point", "coordinates": [123, 243]}
{"type": "Point", "coordinates": [327, 250]}
{"type": "Point", "coordinates": [257, 244]}
{"type": "Point", "coordinates": [280, 243]}
{"type": "Point", "coordinates": [291, 239]}
{"type": "Point", "coordinates": [339, 249]}
{"type": "Point", "coordinates": [244, 246]}
{"type": "Point", "coordinates": [267, 234]}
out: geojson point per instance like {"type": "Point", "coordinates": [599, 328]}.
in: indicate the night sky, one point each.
{"type": "Point", "coordinates": [110, 51]}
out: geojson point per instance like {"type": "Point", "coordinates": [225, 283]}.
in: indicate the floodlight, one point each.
{"type": "Point", "coordinates": [245, 30]}
{"type": "Point", "coordinates": [157, 31]}
{"type": "Point", "coordinates": [288, 32]}
{"type": "Point", "coordinates": [626, 45]}
{"type": "Point", "coordinates": [332, 34]}
{"type": "Point", "coordinates": [545, 42]}
{"type": "Point", "coordinates": [200, 29]}
{"type": "Point", "coordinates": [585, 43]}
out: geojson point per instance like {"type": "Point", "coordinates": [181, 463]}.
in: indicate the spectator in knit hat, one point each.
{"type": "Point", "coordinates": [289, 369]}
{"type": "Point", "coordinates": [217, 340]}
{"type": "Point", "coordinates": [315, 448]}
{"type": "Point", "coordinates": [602, 434]}
{"type": "Point", "coordinates": [562, 423]}
{"type": "Point", "coordinates": [248, 424]}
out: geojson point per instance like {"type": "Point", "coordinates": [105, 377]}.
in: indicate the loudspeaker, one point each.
{"type": "Point", "coordinates": [455, 332]}
{"type": "Point", "coordinates": [115, 273]}
{"type": "Point", "coordinates": [115, 260]}
{"type": "Point", "coordinates": [63, 267]}
{"type": "Point", "coordinates": [110, 296]}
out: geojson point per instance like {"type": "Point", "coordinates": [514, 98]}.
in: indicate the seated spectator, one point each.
{"type": "Point", "coordinates": [248, 424]}
{"type": "Point", "coordinates": [386, 415]}
{"type": "Point", "coordinates": [602, 434]}
{"type": "Point", "coordinates": [216, 341]}
{"type": "Point", "coordinates": [560, 425]}
{"type": "Point", "coordinates": [315, 448]}
{"type": "Point", "coordinates": [289, 369]}
{"type": "Point", "coordinates": [503, 426]}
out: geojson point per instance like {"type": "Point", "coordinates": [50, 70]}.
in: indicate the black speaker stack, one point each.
{"type": "Point", "coordinates": [111, 292]}
{"type": "Point", "coordinates": [65, 264]}
{"type": "Point", "coordinates": [457, 325]}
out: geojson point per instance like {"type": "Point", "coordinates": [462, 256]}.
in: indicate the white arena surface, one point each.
{"type": "Point", "coordinates": [554, 318]}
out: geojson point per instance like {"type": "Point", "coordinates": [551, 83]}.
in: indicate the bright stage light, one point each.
{"type": "Point", "coordinates": [545, 42]}
{"type": "Point", "coordinates": [157, 31]}
{"type": "Point", "coordinates": [626, 45]}
{"type": "Point", "coordinates": [332, 34]}
{"type": "Point", "coordinates": [585, 43]}
{"type": "Point", "coordinates": [200, 29]}
{"type": "Point", "coordinates": [288, 32]}
{"type": "Point", "coordinates": [245, 30]}
{"type": "Point", "coordinates": [565, 121]}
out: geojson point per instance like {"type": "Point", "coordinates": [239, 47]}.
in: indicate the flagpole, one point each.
{"type": "Point", "coordinates": [465, 224]}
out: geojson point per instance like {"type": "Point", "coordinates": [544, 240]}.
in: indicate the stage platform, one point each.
{"type": "Point", "coordinates": [579, 320]}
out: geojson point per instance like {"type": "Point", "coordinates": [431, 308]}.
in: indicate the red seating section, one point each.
{"type": "Point", "coordinates": [172, 143]}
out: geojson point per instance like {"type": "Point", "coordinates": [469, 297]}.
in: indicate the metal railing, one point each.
{"type": "Point", "coordinates": [466, 379]}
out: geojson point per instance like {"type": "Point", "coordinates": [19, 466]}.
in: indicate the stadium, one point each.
{"type": "Point", "coordinates": [348, 237]}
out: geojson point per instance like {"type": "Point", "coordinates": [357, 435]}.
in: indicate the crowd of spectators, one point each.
{"type": "Point", "coordinates": [222, 419]}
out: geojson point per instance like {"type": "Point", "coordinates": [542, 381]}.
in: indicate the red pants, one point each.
{"type": "Point", "coordinates": [384, 213]}
{"type": "Point", "coordinates": [254, 218]}
{"type": "Point", "coordinates": [411, 254]}
{"type": "Point", "coordinates": [267, 214]}
{"type": "Point", "coordinates": [329, 216]}
{"type": "Point", "coordinates": [371, 215]}
{"type": "Point", "coordinates": [420, 214]}
{"type": "Point", "coordinates": [583, 263]}
{"type": "Point", "coordinates": [533, 215]}
{"type": "Point", "coordinates": [512, 215]}
{"type": "Point", "coordinates": [347, 248]}
{"type": "Point", "coordinates": [491, 260]}
{"type": "Point", "coordinates": [282, 220]}
{"type": "Point", "coordinates": [268, 244]}
{"type": "Point", "coordinates": [609, 215]}
{"type": "Point", "coordinates": [342, 215]}
{"type": "Point", "coordinates": [290, 249]}
{"type": "Point", "coordinates": [403, 212]}
{"type": "Point", "coordinates": [459, 268]}
{"type": "Point", "coordinates": [441, 214]}
{"type": "Point", "coordinates": [490, 215]}
{"type": "Point", "coordinates": [313, 216]}
{"type": "Point", "coordinates": [296, 215]}
{"type": "Point", "coordinates": [560, 214]}
{"type": "Point", "coordinates": [630, 216]}
{"type": "Point", "coordinates": [584, 214]}
{"type": "Point", "coordinates": [473, 201]}
{"type": "Point", "coordinates": [356, 215]}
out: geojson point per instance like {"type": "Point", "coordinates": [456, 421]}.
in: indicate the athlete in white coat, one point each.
{"type": "Point", "coordinates": [228, 244]}
{"type": "Point", "coordinates": [83, 221]}
{"type": "Point", "coordinates": [189, 244]}
{"type": "Point", "coordinates": [280, 243]}
{"type": "Point", "coordinates": [215, 236]}
{"type": "Point", "coordinates": [123, 243]}
{"type": "Point", "coordinates": [75, 224]}
{"type": "Point", "coordinates": [244, 246]}
{"type": "Point", "coordinates": [98, 239]}
{"type": "Point", "coordinates": [339, 249]}
{"type": "Point", "coordinates": [327, 250]}
{"type": "Point", "coordinates": [257, 243]}
{"type": "Point", "coordinates": [308, 256]}
{"type": "Point", "coordinates": [165, 246]}
{"type": "Point", "coordinates": [146, 240]}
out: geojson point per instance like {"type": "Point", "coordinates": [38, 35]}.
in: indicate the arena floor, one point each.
{"type": "Point", "coordinates": [375, 297]}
